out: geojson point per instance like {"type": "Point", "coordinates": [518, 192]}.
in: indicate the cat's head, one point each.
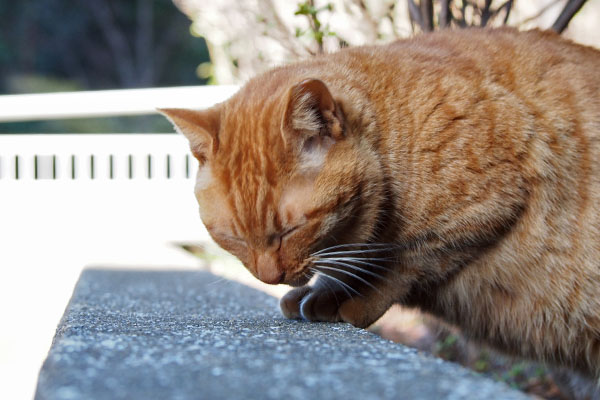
{"type": "Point", "coordinates": [283, 173]}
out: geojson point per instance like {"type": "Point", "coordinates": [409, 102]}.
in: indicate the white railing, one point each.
{"type": "Point", "coordinates": [67, 201]}
{"type": "Point", "coordinates": [101, 156]}
{"type": "Point", "coordinates": [132, 157]}
{"type": "Point", "coordinates": [108, 103]}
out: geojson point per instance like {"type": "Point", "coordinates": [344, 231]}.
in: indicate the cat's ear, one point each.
{"type": "Point", "coordinates": [310, 112]}
{"type": "Point", "coordinates": [200, 127]}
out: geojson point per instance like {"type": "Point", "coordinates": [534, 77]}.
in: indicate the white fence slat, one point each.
{"type": "Point", "coordinates": [159, 166]}
{"type": "Point", "coordinates": [26, 166]}
{"type": "Point", "coordinates": [44, 166]}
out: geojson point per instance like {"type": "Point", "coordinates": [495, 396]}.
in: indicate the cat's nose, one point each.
{"type": "Point", "coordinates": [272, 279]}
{"type": "Point", "coordinates": [268, 269]}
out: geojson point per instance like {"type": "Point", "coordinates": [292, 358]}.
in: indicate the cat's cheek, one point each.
{"type": "Point", "coordinates": [300, 281]}
{"type": "Point", "coordinates": [204, 178]}
{"type": "Point", "coordinates": [206, 208]}
{"type": "Point", "coordinates": [295, 201]}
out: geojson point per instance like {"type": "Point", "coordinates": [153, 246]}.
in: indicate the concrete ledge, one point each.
{"type": "Point", "coordinates": [190, 335]}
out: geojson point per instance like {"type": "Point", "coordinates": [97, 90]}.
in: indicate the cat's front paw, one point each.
{"type": "Point", "coordinates": [290, 302]}
{"type": "Point", "coordinates": [311, 304]}
{"type": "Point", "coordinates": [317, 304]}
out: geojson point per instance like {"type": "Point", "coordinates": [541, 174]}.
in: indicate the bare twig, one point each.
{"type": "Point", "coordinates": [486, 14]}
{"type": "Point", "coordinates": [463, 15]}
{"type": "Point", "coordinates": [567, 14]}
{"type": "Point", "coordinates": [427, 14]}
{"type": "Point", "coordinates": [445, 14]}
{"type": "Point", "coordinates": [508, 6]}
{"type": "Point", "coordinates": [538, 14]}
{"type": "Point", "coordinates": [415, 14]}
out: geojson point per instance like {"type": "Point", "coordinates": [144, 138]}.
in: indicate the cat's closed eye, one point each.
{"type": "Point", "coordinates": [271, 239]}
{"type": "Point", "coordinates": [278, 238]}
{"type": "Point", "coordinates": [289, 231]}
{"type": "Point", "coordinates": [234, 239]}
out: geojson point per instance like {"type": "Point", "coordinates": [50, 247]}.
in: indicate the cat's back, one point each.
{"type": "Point", "coordinates": [539, 67]}
{"type": "Point", "coordinates": [515, 59]}
{"type": "Point", "coordinates": [532, 95]}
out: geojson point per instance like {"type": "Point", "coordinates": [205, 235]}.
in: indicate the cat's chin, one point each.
{"type": "Point", "coordinates": [298, 281]}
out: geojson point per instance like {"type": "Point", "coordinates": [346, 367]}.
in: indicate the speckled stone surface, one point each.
{"type": "Point", "coordinates": [190, 335]}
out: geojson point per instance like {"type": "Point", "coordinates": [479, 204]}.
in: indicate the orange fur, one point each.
{"type": "Point", "coordinates": [473, 155]}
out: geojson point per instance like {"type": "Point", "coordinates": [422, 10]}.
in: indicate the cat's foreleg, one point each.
{"type": "Point", "coordinates": [330, 303]}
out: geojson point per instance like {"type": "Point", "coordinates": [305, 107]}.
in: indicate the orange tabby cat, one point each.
{"type": "Point", "coordinates": [458, 172]}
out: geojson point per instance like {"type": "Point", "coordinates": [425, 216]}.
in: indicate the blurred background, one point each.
{"type": "Point", "coordinates": [66, 201]}
{"type": "Point", "coordinates": [68, 45]}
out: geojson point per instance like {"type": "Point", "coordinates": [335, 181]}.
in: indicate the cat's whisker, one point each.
{"type": "Point", "coordinates": [342, 284]}
{"type": "Point", "coordinates": [343, 271]}
{"type": "Point", "coordinates": [350, 252]}
{"type": "Point", "coordinates": [329, 286]}
{"type": "Point", "coordinates": [217, 281]}
{"type": "Point", "coordinates": [354, 267]}
{"type": "Point", "coordinates": [354, 257]}
{"type": "Point", "coordinates": [219, 284]}
{"type": "Point", "coordinates": [358, 261]}
{"type": "Point", "coordinates": [368, 245]}
{"type": "Point", "coordinates": [366, 258]}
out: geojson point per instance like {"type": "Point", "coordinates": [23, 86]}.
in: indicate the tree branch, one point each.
{"type": "Point", "coordinates": [486, 14]}
{"type": "Point", "coordinates": [538, 14]}
{"type": "Point", "coordinates": [508, 6]}
{"type": "Point", "coordinates": [445, 14]}
{"type": "Point", "coordinates": [567, 14]}
{"type": "Point", "coordinates": [427, 14]}
{"type": "Point", "coordinates": [415, 14]}
{"type": "Point", "coordinates": [463, 15]}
